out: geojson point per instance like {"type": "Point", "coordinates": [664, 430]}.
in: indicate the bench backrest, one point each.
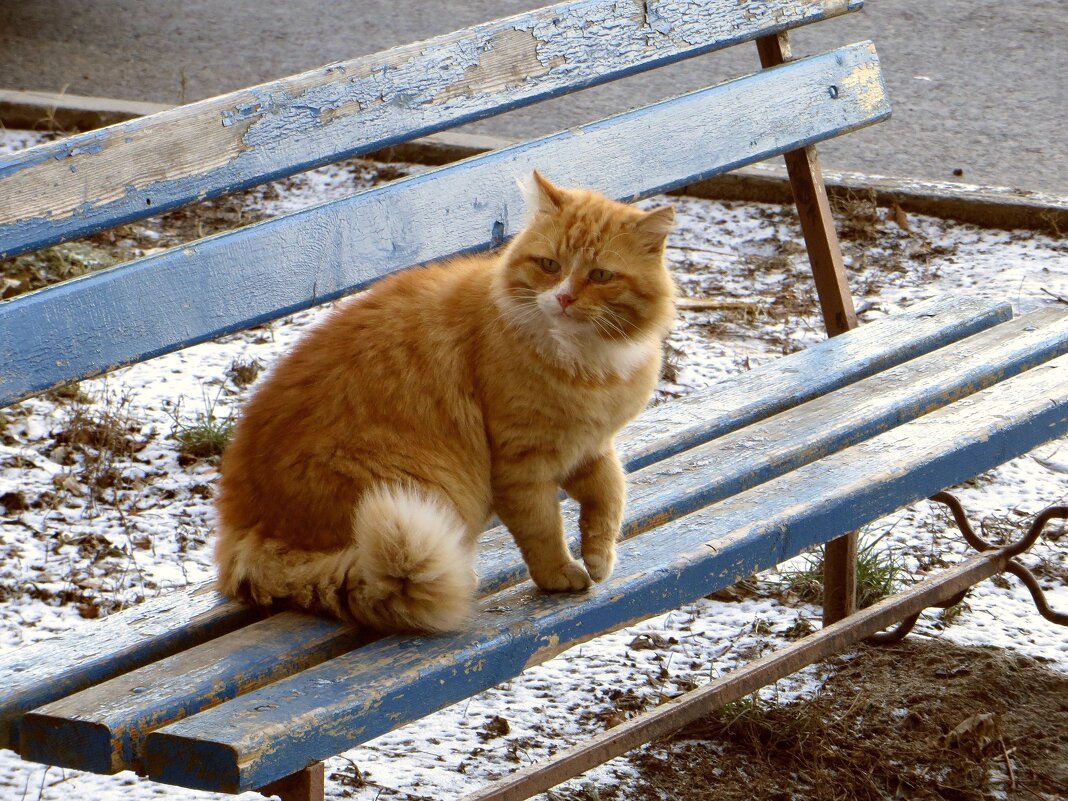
{"type": "Point", "coordinates": [228, 282]}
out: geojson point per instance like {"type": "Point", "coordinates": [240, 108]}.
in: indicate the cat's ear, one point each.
{"type": "Point", "coordinates": [653, 227]}
{"type": "Point", "coordinates": [545, 195]}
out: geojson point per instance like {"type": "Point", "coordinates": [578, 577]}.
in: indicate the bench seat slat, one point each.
{"type": "Point", "coordinates": [41, 673]}
{"type": "Point", "coordinates": [285, 726]}
{"type": "Point", "coordinates": [36, 674]}
{"type": "Point", "coordinates": [229, 282]}
{"type": "Point", "coordinates": [663, 491]}
{"type": "Point", "coordinates": [215, 669]}
{"type": "Point", "coordinates": [96, 180]}
{"type": "Point", "coordinates": [669, 428]}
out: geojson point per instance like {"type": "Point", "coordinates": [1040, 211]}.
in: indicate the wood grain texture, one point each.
{"type": "Point", "coordinates": [756, 394]}
{"type": "Point", "coordinates": [43, 672]}
{"type": "Point", "coordinates": [294, 722]}
{"type": "Point", "coordinates": [109, 721]}
{"type": "Point", "coordinates": [94, 729]}
{"type": "Point", "coordinates": [33, 675]}
{"type": "Point", "coordinates": [228, 282]}
{"type": "Point", "coordinates": [96, 180]}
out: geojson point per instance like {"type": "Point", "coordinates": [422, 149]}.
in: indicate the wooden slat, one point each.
{"type": "Point", "coordinates": [108, 722]}
{"type": "Point", "coordinates": [228, 282]}
{"type": "Point", "coordinates": [191, 680]}
{"type": "Point", "coordinates": [96, 180]}
{"type": "Point", "coordinates": [748, 397]}
{"type": "Point", "coordinates": [681, 710]}
{"type": "Point", "coordinates": [294, 722]}
{"type": "Point", "coordinates": [38, 674]}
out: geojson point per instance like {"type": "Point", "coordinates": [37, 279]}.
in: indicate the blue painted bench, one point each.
{"type": "Point", "coordinates": [195, 690]}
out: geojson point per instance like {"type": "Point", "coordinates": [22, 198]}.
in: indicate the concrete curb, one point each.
{"type": "Point", "coordinates": [987, 206]}
{"type": "Point", "coordinates": [47, 111]}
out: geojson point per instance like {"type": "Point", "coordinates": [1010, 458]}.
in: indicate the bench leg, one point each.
{"type": "Point", "coordinates": [839, 578]}
{"type": "Point", "coordinates": [305, 785]}
{"type": "Point", "coordinates": [836, 304]}
{"type": "Point", "coordinates": [814, 210]}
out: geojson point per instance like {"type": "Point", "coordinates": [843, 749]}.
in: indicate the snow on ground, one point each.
{"type": "Point", "coordinates": [69, 553]}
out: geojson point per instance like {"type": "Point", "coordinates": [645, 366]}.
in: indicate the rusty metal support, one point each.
{"type": "Point", "coordinates": [691, 706]}
{"type": "Point", "coordinates": [304, 785]}
{"type": "Point", "coordinates": [1009, 551]}
{"type": "Point", "coordinates": [836, 305]}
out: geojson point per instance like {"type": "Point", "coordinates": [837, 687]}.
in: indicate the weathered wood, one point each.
{"type": "Point", "coordinates": [987, 206]}
{"type": "Point", "coordinates": [101, 729]}
{"type": "Point", "coordinates": [36, 674]}
{"type": "Point", "coordinates": [774, 387]}
{"type": "Point", "coordinates": [46, 671]}
{"type": "Point", "coordinates": [268, 733]}
{"type": "Point", "coordinates": [305, 785]}
{"type": "Point", "coordinates": [231, 281]}
{"type": "Point", "coordinates": [836, 305]}
{"type": "Point", "coordinates": [97, 180]}
{"type": "Point", "coordinates": [761, 451]}
{"type": "Point", "coordinates": [813, 207]}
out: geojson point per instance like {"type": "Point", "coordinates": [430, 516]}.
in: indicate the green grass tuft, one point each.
{"type": "Point", "coordinates": [880, 572]}
{"type": "Point", "coordinates": [205, 436]}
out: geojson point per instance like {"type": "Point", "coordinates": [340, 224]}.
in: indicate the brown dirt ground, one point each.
{"type": "Point", "coordinates": [918, 720]}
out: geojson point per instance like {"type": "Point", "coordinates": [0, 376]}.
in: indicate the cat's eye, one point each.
{"type": "Point", "coordinates": [549, 265]}
{"type": "Point", "coordinates": [600, 276]}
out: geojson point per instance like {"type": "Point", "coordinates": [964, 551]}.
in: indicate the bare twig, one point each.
{"type": "Point", "coordinates": [705, 304]}
{"type": "Point", "coordinates": [1008, 764]}
{"type": "Point", "coordinates": [1058, 298]}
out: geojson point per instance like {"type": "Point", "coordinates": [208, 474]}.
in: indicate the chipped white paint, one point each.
{"type": "Point", "coordinates": [868, 85]}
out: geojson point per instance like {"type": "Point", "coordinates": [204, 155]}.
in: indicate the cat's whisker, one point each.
{"type": "Point", "coordinates": [608, 325]}
{"type": "Point", "coordinates": [619, 320]}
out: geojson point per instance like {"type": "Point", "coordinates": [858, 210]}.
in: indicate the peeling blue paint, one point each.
{"type": "Point", "coordinates": [411, 212]}
{"type": "Point", "coordinates": [581, 44]}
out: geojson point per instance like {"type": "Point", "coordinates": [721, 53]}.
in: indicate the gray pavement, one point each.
{"type": "Point", "coordinates": [978, 86]}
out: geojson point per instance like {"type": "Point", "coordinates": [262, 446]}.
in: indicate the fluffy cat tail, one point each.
{"type": "Point", "coordinates": [408, 569]}
{"type": "Point", "coordinates": [414, 569]}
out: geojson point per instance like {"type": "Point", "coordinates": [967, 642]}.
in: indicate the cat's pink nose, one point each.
{"type": "Point", "coordinates": [565, 300]}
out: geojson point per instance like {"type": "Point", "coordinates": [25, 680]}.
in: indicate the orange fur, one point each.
{"type": "Point", "coordinates": [364, 467]}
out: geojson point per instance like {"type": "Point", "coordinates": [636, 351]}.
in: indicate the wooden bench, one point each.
{"type": "Point", "coordinates": [195, 690]}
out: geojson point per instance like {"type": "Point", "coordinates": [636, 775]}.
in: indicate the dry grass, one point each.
{"type": "Point", "coordinates": [880, 572]}
{"type": "Point", "coordinates": [96, 439]}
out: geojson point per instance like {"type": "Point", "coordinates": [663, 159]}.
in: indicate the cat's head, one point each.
{"type": "Point", "coordinates": [587, 269]}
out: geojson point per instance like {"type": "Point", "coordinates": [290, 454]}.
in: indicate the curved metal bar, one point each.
{"type": "Point", "coordinates": [896, 634]}
{"type": "Point", "coordinates": [1037, 594]}
{"type": "Point", "coordinates": [1032, 535]}
{"type": "Point", "coordinates": [902, 629]}
{"type": "Point", "coordinates": [961, 517]}
{"type": "Point", "coordinates": [1015, 548]}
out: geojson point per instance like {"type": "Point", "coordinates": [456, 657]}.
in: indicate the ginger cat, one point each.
{"type": "Point", "coordinates": [366, 464]}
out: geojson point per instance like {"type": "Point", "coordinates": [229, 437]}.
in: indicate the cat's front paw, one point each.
{"type": "Point", "coordinates": [572, 577]}
{"type": "Point", "coordinates": [599, 565]}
